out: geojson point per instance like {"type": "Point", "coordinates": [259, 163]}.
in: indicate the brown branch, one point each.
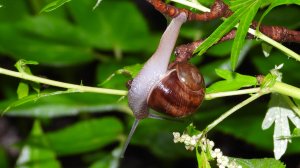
{"type": "Point", "coordinates": [220, 9]}
{"type": "Point", "coordinates": [281, 34]}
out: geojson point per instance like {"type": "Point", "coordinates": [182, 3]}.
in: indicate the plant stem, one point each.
{"type": "Point", "coordinates": [292, 105]}
{"type": "Point", "coordinates": [61, 84]}
{"type": "Point", "coordinates": [233, 109]}
{"type": "Point", "coordinates": [193, 4]}
{"type": "Point", "coordinates": [231, 93]}
{"type": "Point", "coordinates": [275, 44]}
{"type": "Point", "coordinates": [250, 30]}
{"type": "Point", "coordinates": [286, 89]}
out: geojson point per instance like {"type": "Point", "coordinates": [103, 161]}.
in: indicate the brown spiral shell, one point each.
{"type": "Point", "coordinates": [180, 92]}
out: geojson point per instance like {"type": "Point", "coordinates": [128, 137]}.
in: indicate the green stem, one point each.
{"type": "Point", "coordinates": [275, 44]}
{"type": "Point", "coordinates": [250, 30]}
{"type": "Point", "coordinates": [292, 105]}
{"type": "Point", "coordinates": [233, 109]}
{"type": "Point", "coordinates": [286, 89]}
{"type": "Point", "coordinates": [61, 84]}
{"type": "Point", "coordinates": [231, 93]}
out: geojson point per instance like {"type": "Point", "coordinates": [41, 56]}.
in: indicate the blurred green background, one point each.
{"type": "Point", "coordinates": [76, 44]}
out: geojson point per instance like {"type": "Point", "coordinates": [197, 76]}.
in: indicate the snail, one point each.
{"type": "Point", "coordinates": [177, 90]}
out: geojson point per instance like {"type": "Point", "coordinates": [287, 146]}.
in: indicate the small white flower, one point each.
{"type": "Point", "coordinates": [183, 137]}
{"type": "Point", "coordinates": [213, 154]}
{"type": "Point", "coordinates": [211, 144]}
{"type": "Point", "coordinates": [189, 147]}
{"type": "Point", "coordinates": [279, 66]}
{"type": "Point", "coordinates": [176, 137]}
{"type": "Point", "coordinates": [193, 142]}
{"type": "Point", "coordinates": [225, 160]}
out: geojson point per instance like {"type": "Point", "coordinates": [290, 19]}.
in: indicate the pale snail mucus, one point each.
{"type": "Point", "coordinates": [150, 88]}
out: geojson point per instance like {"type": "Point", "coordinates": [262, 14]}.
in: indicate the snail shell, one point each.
{"type": "Point", "coordinates": [180, 92]}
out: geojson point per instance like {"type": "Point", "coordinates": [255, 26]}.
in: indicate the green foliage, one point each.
{"type": "Point", "coordinates": [244, 24]}
{"type": "Point", "coordinates": [233, 81]}
{"type": "Point", "coordinates": [85, 136]}
{"type": "Point", "coordinates": [62, 103]}
{"type": "Point", "coordinates": [53, 5]}
{"type": "Point", "coordinates": [276, 3]}
{"type": "Point", "coordinates": [296, 133]}
{"type": "Point", "coordinates": [259, 163]}
{"type": "Point", "coordinates": [202, 159]}
{"type": "Point", "coordinates": [224, 28]}
{"type": "Point", "coordinates": [37, 156]}
{"type": "Point", "coordinates": [242, 14]}
{"type": "Point", "coordinates": [3, 158]}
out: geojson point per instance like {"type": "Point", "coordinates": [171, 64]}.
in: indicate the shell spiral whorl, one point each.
{"type": "Point", "coordinates": [180, 92]}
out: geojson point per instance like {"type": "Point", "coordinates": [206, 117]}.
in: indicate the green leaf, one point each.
{"type": "Point", "coordinates": [35, 97]}
{"type": "Point", "coordinates": [108, 160]}
{"type": "Point", "coordinates": [60, 44]}
{"type": "Point", "coordinates": [104, 29]}
{"type": "Point", "coordinates": [221, 50]}
{"type": "Point", "coordinates": [296, 133]}
{"type": "Point", "coordinates": [4, 162]}
{"type": "Point", "coordinates": [258, 163]}
{"type": "Point", "coordinates": [274, 4]}
{"type": "Point", "coordinates": [23, 87]}
{"type": "Point", "coordinates": [61, 103]}
{"type": "Point", "coordinates": [266, 49]}
{"type": "Point", "coordinates": [249, 12]}
{"type": "Point", "coordinates": [202, 159]}
{"type": "Point", "coordinates": [157, 136]}
{"type": "Point", "coordinates": [53, 5]}
{"type": "Point", "coordinates": [233, 81]}
{"type": "Point", "coordinates": [33, 156]}
{"type": "Point", "coordinates": [131, 70]}
{"type": "Point", "coordinates": [22, 67]}
{"type": "Point", "coordinates": [268, 81]}
{"type": "Point", "coordinates": [263, 66]}
{"type": "Point", "coordinates": [224, 28]}
{"type": "Point", "coordinates": [283, 16]}
{"type": "Point", "coordinates": [23, 90]}
{"type": "Point", "coordinates": [21, 8]}
{"type": "Point", "coordinates": [191, 130]}
{"type": "Point", "coordinates": [85, 136]}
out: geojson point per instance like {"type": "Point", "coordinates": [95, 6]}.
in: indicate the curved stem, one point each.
{"type": "Point", "coordinates": [233, 109]}
{"type": "Point", "coordinates": [61, 84]}
{"type": "Point", "coordinates": [286, 89]}
{"type": "Point", "coordinates": [275, 44]}
{"type": "Point", "coordinates": [292, 105]}
{"type": "Point", "coordinates": [231, 93]}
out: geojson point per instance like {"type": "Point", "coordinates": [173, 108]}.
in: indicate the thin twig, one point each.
{"type": "Point", "coordinates": [61, 84]}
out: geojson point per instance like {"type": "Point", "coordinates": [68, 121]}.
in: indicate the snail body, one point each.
{"type": "Point", "coordinates": [153, 69]}
{"type": "Point", "coordinates": [177, 90]}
